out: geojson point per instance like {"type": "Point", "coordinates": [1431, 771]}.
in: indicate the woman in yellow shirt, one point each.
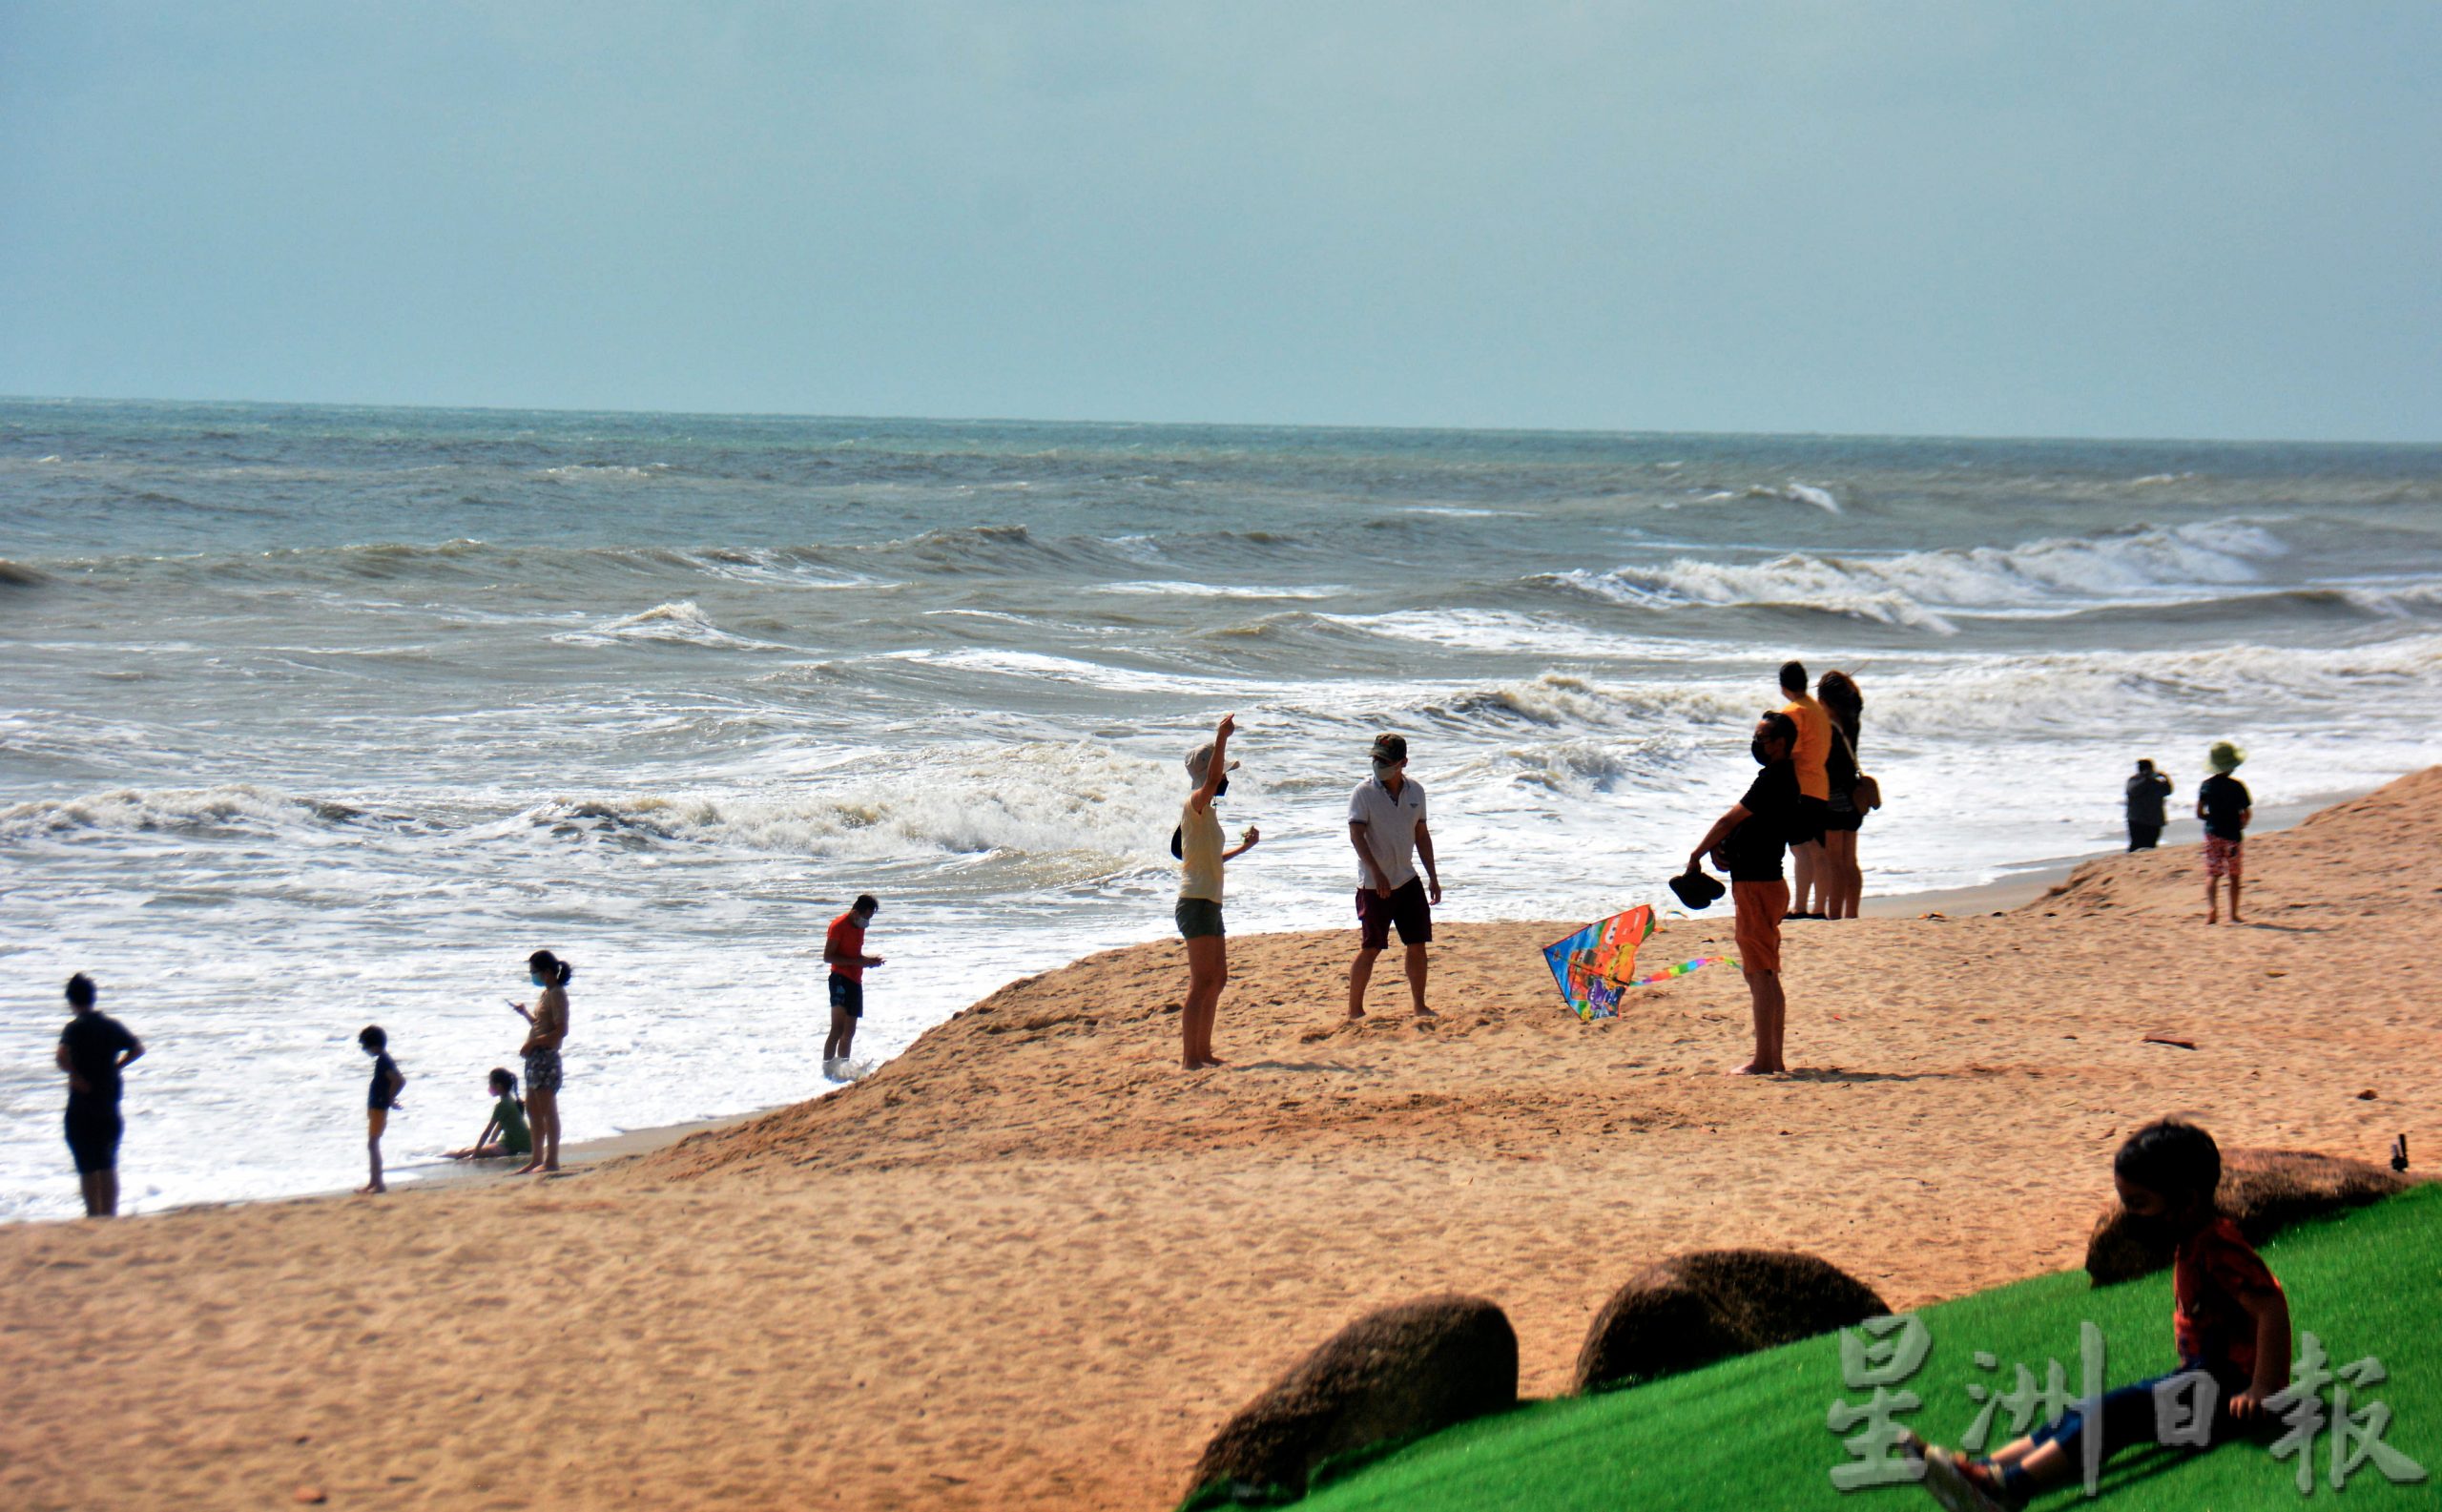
{"type": "Point", "coordinates": [1201, 859]}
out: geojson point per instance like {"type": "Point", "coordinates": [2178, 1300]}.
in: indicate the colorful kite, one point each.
{"type": "Point", "coordinates": [1594, 965]}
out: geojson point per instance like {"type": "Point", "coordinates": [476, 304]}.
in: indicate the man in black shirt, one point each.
{"type": "Point", "coordinates": [2224, 804]}
{"type": "Point", "coordinates": [93, 1049]}
{"type": "Point", "coordinates": [1746, 843]}
{"type": "Point", "coordinates": [2146, 791]}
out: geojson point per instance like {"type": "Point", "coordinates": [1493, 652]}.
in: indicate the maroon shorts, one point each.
{"type": "Point", "coordinates": [1405, 907]}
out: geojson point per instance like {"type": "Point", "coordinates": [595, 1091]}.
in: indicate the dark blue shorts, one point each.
{"type": "Point", "coordinates": [848, 995]}
{"type": "Point", "coordinates": [93, 1138]}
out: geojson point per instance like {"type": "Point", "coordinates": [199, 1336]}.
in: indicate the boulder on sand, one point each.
{"type": "Point", "coordinates": [1692, 1310]}
{"type": "Point", "coordinates": [2264, 1191]}
{"type": "Point", "coordinates": [1391, 1375]}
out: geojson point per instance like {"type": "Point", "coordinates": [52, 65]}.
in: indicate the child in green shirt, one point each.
{"type": "Point", "coordinates": [507, 1121]}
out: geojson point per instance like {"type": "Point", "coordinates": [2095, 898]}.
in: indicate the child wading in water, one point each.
{"type": "Point", "coordinates": [388, 1081]}
{"type": "Point", "coordinates": [507, 1122]}
{"type": "Point", "coordinates": [2228, 1316]}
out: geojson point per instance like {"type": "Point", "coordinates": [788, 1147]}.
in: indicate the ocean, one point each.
{"type": "Point", "coordinates": [313, 717]}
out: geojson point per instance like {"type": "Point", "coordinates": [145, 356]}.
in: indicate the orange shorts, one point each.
{"type": "Point", "coordinates": [1760, 907]}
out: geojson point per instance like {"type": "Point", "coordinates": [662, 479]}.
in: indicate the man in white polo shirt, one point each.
{"type": "Point", "coordinates": [1386, 823]}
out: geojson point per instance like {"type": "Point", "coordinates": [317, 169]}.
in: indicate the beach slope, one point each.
{"type": "Point", "coordinates": [1030, 1263]}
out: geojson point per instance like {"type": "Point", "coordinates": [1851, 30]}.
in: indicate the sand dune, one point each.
{"type": "Point", "coordinates": [1032, 1264]}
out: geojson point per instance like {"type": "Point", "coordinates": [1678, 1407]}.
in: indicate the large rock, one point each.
{"type": "Point", "coordinates": [1695, 1309]}
{"type": "Point", "coordinates": [1391, 1375]}
{"type": "Point", "coordinates": [2266, 1191]}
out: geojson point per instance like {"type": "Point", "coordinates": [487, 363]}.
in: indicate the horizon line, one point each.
{"type": "Point", "coordinates": [1217, 424]}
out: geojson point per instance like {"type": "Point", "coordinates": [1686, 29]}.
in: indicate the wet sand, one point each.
{"type": "Point", "coordinates": [1030, 1263]}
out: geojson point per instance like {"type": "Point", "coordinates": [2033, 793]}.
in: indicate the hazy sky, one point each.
{"type": "Point", "coordinates": [2055, 218]}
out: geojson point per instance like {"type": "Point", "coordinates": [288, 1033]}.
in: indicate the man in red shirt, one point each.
{"type": "Point", "coordinates": [843, 948]}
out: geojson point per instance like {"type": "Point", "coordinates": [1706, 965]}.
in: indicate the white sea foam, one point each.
{"type": "Point", "coordinates": [1817, 495]}
{"type": "Point", "coordinates": [1930, 589]}
{"type": "Point", "coordinates": [1085, 802]}
{"type": "Point", "coordinates": [677, 623]}
{"type": "Point", "coordinates": [1181, 589]}
{"type": "Point", "coordinates": [131, 811]}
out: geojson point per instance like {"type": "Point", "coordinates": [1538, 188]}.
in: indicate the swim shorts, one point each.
{"type": "Point", "coordinates": [2222, 857]}
{"type": "Point", "coordinates": [1812, 818]}
{"type": "Point", "coordinates": [542, 1070]}
{"type": "Point", "coordinates": [93, 1138]}
{"type": "Point", "coordinates": [1760, 907]}
{"type": "Point", "coordinates": [1406, 907]}
{"type": "Point", "coordinates": [848, 995]}
{"type": "Point", "coordinates": [1198, 919]}
{"type": "Point", "coordinates": [376, 1120]}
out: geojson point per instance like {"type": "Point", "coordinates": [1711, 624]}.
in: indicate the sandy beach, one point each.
{"type": "Point", "coordinates": [1030, 1263]}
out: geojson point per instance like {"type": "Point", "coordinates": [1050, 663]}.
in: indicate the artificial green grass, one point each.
{"type": "Point", "coordinates": [1748, 1434]}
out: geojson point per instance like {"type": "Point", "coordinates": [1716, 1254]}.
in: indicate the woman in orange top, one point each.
{"type": "Point", "coordinates": [1811, 760]}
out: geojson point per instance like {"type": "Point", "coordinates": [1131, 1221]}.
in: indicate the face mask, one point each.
{"type": "Point", "coordinates": [1220, 787]}
{"type": "Point", "coordinates": [536, 978]}
{"type": "Point", "coordinates": [1763, 756]}
{"type": "Point", "coordinates": [1384, 769]}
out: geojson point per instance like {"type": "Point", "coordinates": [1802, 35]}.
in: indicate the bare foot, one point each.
{"type": "Point", "coordinates": [1426, 1013]}
{"type": "Point", "coordinates": [1757, 1068]}
{"type": "Point", "coordinates": [529, 1168]}
{"type": "Point", "coordinates": [1213, 1063]}
{"type": "Point", "coordinates": [1356, 1013]}
{"type": "Point", "coordinates": [370, 1191]}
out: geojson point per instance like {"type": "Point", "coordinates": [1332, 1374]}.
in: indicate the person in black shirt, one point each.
{"type": "Point", "coordinates": [2146, 791]}
{"type": "Point", "coordinates": [388, 1081]}
{"type": "Point", "coordinates": [1746, 843]}
{"type": "Point", "coordinates": [93, 1049]}
{"type": "Point", "coordinates": [2224, 804]}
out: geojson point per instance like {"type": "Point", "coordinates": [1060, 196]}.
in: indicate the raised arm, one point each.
{"type": "Point", "coordinates": [1219, 771]}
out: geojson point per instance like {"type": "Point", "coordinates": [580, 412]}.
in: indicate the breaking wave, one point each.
{"type": "Point", "coordinates": [1082, 802]}
{"type": "Point", "coordinates": [228, 809]}
{"type": "Point", "coordinates": [1926, 589]}
{"type": "Point", "coordinates": [679, 623]}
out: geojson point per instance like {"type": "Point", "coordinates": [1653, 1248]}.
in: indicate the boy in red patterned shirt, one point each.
{"type": "Point", "coordinates": [2228, 1316]}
